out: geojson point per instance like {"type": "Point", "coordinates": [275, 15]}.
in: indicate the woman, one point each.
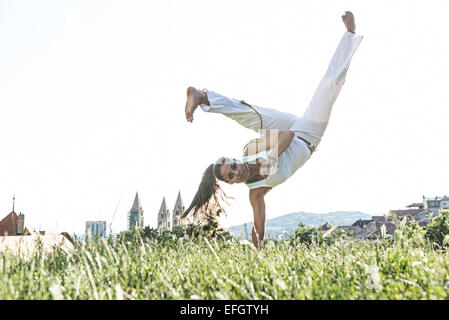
{"type": "Point", "coordinates": [286, 142]}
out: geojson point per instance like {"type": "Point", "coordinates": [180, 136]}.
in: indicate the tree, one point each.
{"type": "Point", "coordinates": [437, 230]}
{"type": "Point", "coordinates": [208, 227]}
{"type": "Point", "coordinates": [307, 235]}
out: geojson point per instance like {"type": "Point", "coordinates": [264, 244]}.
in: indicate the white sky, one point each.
{"type": "Point", "coordinates": [92, 97]}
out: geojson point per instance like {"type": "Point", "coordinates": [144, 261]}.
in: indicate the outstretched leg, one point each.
{"type": "Point", "coordinates": [316, 117]}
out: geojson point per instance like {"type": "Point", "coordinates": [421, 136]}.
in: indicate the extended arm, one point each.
{"type": "Point", "coordinates": [257, 200]}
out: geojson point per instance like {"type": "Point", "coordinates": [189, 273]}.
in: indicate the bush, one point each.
{"type": "Point", "coordinates": [209, 227]}
{"type": "Point", "coordinates": [307, 235]}
{"type": "Point", "coordinates": [166, 236]}
{"type": "Point", "coordinates": [412, 231]}
{"type": "Point", "coordinates": [438, 230]}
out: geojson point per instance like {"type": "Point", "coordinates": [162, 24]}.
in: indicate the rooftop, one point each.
{"type": "Point", "coordinates": [407, 212]}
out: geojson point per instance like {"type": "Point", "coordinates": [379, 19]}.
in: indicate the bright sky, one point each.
{"type": "Point", "coordinates": [92, 97]}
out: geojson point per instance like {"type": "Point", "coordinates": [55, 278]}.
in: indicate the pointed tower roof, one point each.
{"type": "Point", "coordinates": [135, 215]}
{"type": "Point", "coordinates": [179, 203]}
{"type": "Point", "coordinates": [136, 204]}
{"type": "Point", "coordinates": [163, 206]}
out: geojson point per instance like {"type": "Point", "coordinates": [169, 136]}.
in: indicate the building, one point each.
{"type": "Point", "coordinates": [373, 230]}
{"type": "Point", "coordinates": [177, 211]}
{"type": "Point", "coordinates": [16, 238]}
{"type": "Point", "coordinates": [167, 219]}
{"type": "Point", "coordinates": [421, 213]}
{"type": "Point", "coordinates": [135, 215]}
{"type": "Point", "coordinates": [435, 204]}
{"type": "Point", "coordinates": [96, 228]}
{"type": "Point", "coordinates": [428, 205]}
{"type": "Point", "coordinates": [9, 225]}
{"type": "Point", "coordinates": [163, 216]}
{"type": "Point", "coordinates": [13, 224]}
{"type": "Point", "coordinates": [361, 223]}
{"type": "Point", "coordinates": [325, 227]}
{"type": "Point", "coordinates": [406, 212]}
{"type": "Point", "coordinates": [346, 230]}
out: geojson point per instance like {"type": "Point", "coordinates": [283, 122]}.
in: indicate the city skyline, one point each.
{"type": "Point", "coordinates": [108, 223]}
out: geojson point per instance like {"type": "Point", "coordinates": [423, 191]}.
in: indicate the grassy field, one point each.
{"type": "Point", "coordinates": [146, 269]}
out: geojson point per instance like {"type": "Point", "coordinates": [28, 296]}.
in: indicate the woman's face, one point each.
{"type": "Point", "coordinates": [234, 171]}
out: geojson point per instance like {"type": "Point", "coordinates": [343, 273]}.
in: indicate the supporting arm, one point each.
{"type": "Point", "coordinates": [257, 200]}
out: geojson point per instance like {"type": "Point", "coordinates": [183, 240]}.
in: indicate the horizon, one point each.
{"type": "Point", "coordinates": [92, 97]}
{"type": "Point", "coordinates": [229, 226]}
{"type": "Point", "coordinates": [108, 223]}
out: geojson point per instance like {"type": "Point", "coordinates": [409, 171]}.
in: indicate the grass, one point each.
{"type": "Point", "coordinates": [147, 269]}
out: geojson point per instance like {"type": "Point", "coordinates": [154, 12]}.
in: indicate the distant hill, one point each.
{"type": "Point", "coordinates": [287, 224]}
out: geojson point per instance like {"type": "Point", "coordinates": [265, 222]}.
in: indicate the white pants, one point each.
{"type": "Point", "coordinates": [313, 123]}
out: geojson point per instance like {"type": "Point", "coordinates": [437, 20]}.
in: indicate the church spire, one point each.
{"type": "Point", "coordinates": [163, 216]}
{"type": "Point", "coordinates": [136, 204]}
{"type": "Point", "coordinates": [163, 208]}
{"type": "Point", "coordinates": [135, 215]}
{"type": "Point", "coordinates": [179, 204]}
{"type": "Point", "coordinates": [178, 210]}
{"type": "Point", "coordinates": [13, 202]}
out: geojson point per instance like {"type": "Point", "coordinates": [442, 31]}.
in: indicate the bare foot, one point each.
{"type": "Point", "coordinates": [194, 99]}
{"type": "Point", "coordinates": [348, 20]}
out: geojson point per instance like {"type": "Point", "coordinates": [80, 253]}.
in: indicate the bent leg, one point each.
{"type": "Point", "coordinates": [251, 117]}
{"type": "Point", "coordinates": [316, 117]}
